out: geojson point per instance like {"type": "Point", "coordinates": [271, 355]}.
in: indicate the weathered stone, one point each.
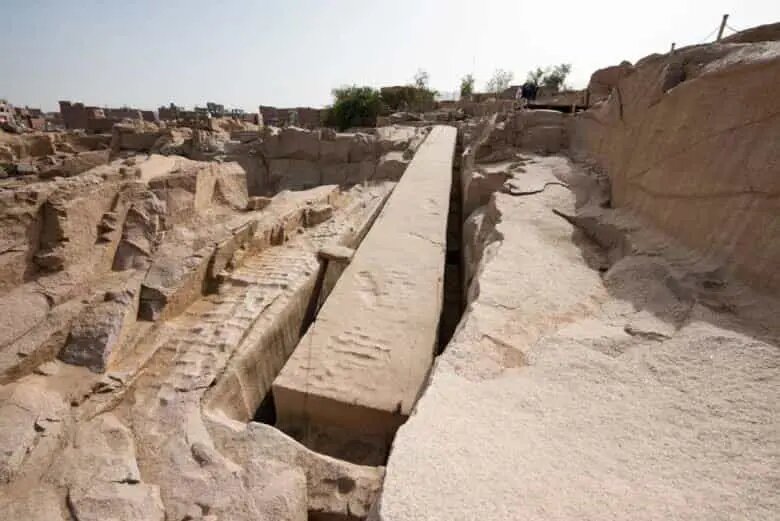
{"type": "Point", "coordinates": [542, 139]}
{"type": "Point", "coordinates": [257, 202]}
{"type": "Point", "coordinates": [20, 311]}
{"type": "Point", "coordinates": [103, 451]}
{"type": "Point", "coordinates": [709, 178]}
{"type": "Point", "coordinates": [155, 165]}
{"type": "Point", "coordinates": [293, 174]}
{"type": "Point", "coordinates": [227, 249]}
{"type": "Point", "coordinates": [231, 188]}
{"type": "Point", "coordinates": [362, 370]}
{"type": "Point", "coordinates": [40, 343]}
{"type": "Point", "coordinates": [291, 143]}
{"type": "Point", "coordinates": [36, 504]}
{"type": "Point", "coordinates": [524, 119]}
{"type": "Point", "coordinates": [27, 412]}
{"type": "Point", "coordinates": [317, 214]}
{"type": "Point", "coordinates": [139, 138]}
{"type": "Point", "coordinates": [83, 161]}
{"type": "Point", "coordinates": [363, 148]}
{"type": "Point", "coordinates": [101, 328]}
{"type": "Point", "coordinates": [604, 80]}
{"type": "Point", "coordinates": [333, 487]}
{"type": "Point", "coordinates": [336, 253]}
{"type": "Point", "coordinates": [175, 279]}
{"type": "Point", "coordinates": [391, 166]}
{"type": "Point", "coordinates": [105, 501]}
{"type": "Point", "coordinates": [336, 150]}
{"type": "Point", "coordinates": [141, 233]}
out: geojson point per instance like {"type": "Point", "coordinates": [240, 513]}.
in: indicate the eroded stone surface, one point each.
{"type": "Point", "coordinates": [578, 386]}
{"type": "Point", "coordinates": [361, 367]}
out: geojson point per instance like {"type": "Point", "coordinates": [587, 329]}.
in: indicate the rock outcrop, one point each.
{"type": "Point", "coordinates": [683, 141]}
{"type": "Point", "coordinates": [592, 361]}
{"type": "Point", "coordinates": [146, 305]}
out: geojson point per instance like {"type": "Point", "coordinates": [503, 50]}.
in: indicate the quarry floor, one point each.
{"type": "Point", "coordinates": [600, 371]}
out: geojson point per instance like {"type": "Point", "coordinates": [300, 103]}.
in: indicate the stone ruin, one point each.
{"type": "Point", "coordinates": [492, 313]}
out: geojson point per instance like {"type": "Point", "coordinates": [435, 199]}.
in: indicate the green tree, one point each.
{"type": "Point", "coordinates": [536, 76]}
{"type": "Point", "coordinates": [499, 82]}
{"type": "Point", "coordinates": [421, 79]}
{"type": "Point", "coordinates": [354, 106]}
{"type": "Point", "coordinates": [553, 78]}
{"type": "Point", "coordinates": [467, 86]}
{"type": "Point", "coordinates": [556, 78]}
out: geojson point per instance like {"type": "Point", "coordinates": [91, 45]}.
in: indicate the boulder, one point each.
{"type": "Point", "coordinates": [141, 232]}
{"type": "Point", "coordinates": [82, 162]}
{"type": "Point", "coordinates": [174, 141]}
{"type": "Point", "coordinates": [175, 279]}
{"type": "Point", "coordinates": [231, 185]}
{"type": "Point", "coordinates": [333, 487]}
{"type": "Point", "coordinates": [336, 253]}
{"type": "Point", "coordinates": [101, 328]}
{"type": "Point", "coordinates": [391, 166]}
{"type": "Point", "coordinates": [604, 80]}
{"type": "Point", "coordinates": [317, 214]}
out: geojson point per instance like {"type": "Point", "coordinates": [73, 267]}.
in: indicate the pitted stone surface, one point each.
{"type": "Point", "coordinates": [364, 360]}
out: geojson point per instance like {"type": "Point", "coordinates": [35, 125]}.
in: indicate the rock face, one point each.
{"type": "Point", "coordinates": [604, 80]}
{"type": "Point", "coordinates": [539, 131]}
{"type": "Point", "coordinates": [147, 304]}
{"type": "Point", "coordinates": [693, 164]}
{"type": "Point", "coordinates": [296, 158]}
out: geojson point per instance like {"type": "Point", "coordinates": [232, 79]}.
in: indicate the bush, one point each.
{"type": "Point", "coordinates": [556, 78]}
{"type": "Point", "coordinates": [553, 78]}
{"type": "Point", "coordinates": [467, 86]}
{"type": "Point", "coordinates": [407, 97]}
{"type": "Point", "coordinates": [354, 107]}
{"type": "Point", "coordinates": [499, 82]}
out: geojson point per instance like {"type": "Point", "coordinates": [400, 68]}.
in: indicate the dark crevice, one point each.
{"type": "Point", "coordinates": [266, 412]}
{"type": "Point", "coordinates": [452, 306]}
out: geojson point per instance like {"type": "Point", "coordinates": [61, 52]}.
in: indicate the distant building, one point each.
{"type": "Point", "coordinates": [31, 118]}
{"type": "Point", "coordinates": [96, 119]}
{"type": "Point", "coordinates": [306, 117]}
{"type": "Point", "coordinates": [199, 116]}
{"type": "Point", "coordinates": [6, 112]}
{"type": "Point", "coordinates": [215, 109]}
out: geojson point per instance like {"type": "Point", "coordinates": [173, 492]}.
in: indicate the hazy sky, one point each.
{"type": "Point", "coordinates": [146, 53]}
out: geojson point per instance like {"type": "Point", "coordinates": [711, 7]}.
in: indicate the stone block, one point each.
{"type": "Point", "coordinates": [362, 367]}
{"type": "Point", "coordinates": [100, 330]}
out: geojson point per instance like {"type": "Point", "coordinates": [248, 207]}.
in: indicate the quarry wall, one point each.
{"type": "Point", "coordinates": [683, 138]}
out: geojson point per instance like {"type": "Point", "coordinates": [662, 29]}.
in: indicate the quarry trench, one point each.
{"type": "Point", "coordinates": [408, 322]}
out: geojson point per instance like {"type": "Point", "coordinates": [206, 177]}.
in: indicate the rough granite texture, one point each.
{"type": "Point", "coordinates": [365, 359]}
{"type": "Point", "coordinates": [566, 394]}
